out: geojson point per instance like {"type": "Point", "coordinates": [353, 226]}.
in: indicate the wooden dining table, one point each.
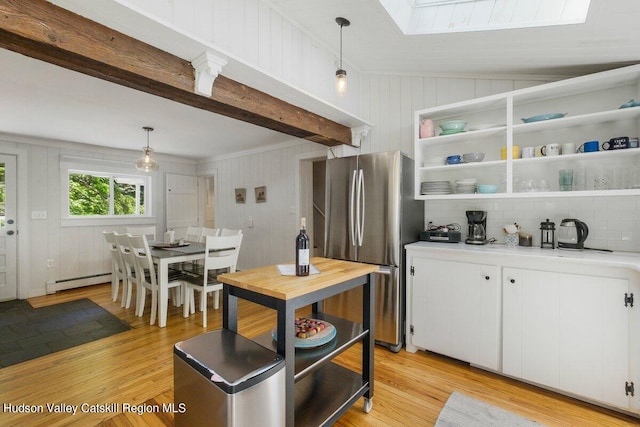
{"type": "Point", "coordinates": [164, 258]}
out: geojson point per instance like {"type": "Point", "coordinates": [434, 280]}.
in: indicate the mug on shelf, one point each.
{"type": "Point", "coordinates": [589, 147]}
{"type": "Point", "coordinates": [540, 149]}
{"type": "Point", "coordinates": [528, 152]}
{"type": "Point", "coordinates": [515, 153]}
{"type": "Point", "coordinates": [568, 148]}
{"type": "Point", "coordinates": [616, 143]}
{"type": "Point", "coordinates": [551, 150]}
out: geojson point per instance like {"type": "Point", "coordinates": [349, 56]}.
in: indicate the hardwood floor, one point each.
{"type": "Point", "coordinates": [136, 367]}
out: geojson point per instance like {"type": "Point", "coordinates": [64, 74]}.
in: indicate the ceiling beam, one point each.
{"type": "Point", "coordinates": [47, 32]}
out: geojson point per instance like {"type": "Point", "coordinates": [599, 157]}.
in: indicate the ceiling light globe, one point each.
{"type": "Point", "coordinates": [341, 82]}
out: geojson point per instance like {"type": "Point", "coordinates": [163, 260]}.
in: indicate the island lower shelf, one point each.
{"type": "Point", "coordinates": [308, 359]}
{"type": "Point", "coordinates": [336, 387]}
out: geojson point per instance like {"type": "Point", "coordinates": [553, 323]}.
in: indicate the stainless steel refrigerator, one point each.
{"type": "Point", "coordinates": [370, 214]}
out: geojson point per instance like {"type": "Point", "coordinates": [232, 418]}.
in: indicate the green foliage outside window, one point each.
{"type": "Point", "coordinates": [99, 194]}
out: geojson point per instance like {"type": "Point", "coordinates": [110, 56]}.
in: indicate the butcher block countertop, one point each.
{"type": "Point", "coordinates": [268, 280]}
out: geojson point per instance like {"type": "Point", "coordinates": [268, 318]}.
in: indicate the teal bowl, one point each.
{"type": "Point", "coordinates": [453, 125]}
{"type": "Point", "coordinates": [487, 188]}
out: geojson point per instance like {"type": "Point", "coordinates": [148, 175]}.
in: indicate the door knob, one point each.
{"type": "Point", "coordinates": [512, 280]}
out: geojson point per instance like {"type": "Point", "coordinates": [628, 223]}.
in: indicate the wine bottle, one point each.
{"type": "Point", "coordinates": [302, 250]}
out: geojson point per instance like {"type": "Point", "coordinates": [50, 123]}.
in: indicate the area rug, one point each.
{"type": "Point", "coordinates": [27, 333]}
{"type": "Point", "coordinates": [463, 411]}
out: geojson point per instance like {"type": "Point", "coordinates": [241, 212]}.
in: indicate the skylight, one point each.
{"type": "Point", "coordinates": [443, 16]}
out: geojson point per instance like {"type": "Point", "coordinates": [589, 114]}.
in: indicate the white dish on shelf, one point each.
{"type": "Point", "coordinates": [484, 127]}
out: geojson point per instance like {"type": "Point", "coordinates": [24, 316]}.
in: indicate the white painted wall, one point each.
{"type": "Point", "coordinates": [76, 251]}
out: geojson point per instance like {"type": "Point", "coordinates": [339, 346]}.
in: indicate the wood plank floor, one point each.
{"type": "Point", "coordinates": [136, 368]}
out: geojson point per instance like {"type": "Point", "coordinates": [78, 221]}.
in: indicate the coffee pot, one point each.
{"type": "Point", "coordinates": [477, 231]}
{"type": "Point", "coordinates": [572, 234]}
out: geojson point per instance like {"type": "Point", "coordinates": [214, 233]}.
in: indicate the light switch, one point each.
{"type": "Point", "coordinates": [38, 214]}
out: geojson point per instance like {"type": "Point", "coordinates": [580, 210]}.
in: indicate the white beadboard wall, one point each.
{"type": "Point", "coordinates": [76, 251]}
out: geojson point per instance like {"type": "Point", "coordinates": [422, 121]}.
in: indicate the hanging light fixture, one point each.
{"type": "Point", "coordinates": [341, 74]}
{"type": "Point", "coordinates": [146, 162]}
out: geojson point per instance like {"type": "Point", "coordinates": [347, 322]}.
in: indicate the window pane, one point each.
{"type": "Point", "coordinates": [124, 196]}
{"type": "Point", "coordinates": [88, 194]}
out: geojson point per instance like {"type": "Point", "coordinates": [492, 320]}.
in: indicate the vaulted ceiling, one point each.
{"type": "Point", "coordinates": [43, 100]}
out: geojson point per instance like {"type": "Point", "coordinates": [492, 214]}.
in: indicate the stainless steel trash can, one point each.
{"type": "Point", "coordinates": [223, 379]}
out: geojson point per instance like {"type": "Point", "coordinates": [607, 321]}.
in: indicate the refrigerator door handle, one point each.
{"type": "Point", "coordinates": [361, 205]}
{"type": "Point", "coordinates": [352, 228]}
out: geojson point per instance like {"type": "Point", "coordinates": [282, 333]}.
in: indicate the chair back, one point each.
{"type": "Point", "coordinates": [193, 234]}
{"type": "Point", "coordinates": [222, 252]}
{"type": "Point", "coordinates": [116, 256]}
{"type": "Point", "coordinates": [122, 242]}
{"type": "Point", "coordinates": [149, 231]}
{"type": "Point", "coordinates": [204, 232]}
{"type": "Point", "coordinates": [229, 232]}
{"type": "Point", "coordinates": [142, 258]}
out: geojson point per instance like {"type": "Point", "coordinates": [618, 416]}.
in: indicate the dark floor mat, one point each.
{"type": "Point", "coordinates": [27, 332]}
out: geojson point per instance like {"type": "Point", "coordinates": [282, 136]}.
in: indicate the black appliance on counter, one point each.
{"type": "Point", "coordinates": [477, 231]}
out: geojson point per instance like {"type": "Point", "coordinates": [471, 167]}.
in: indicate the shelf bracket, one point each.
{"type": "Point", "coordinates": [207, 67]}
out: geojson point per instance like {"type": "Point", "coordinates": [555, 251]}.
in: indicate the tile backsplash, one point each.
{"type": "Point", "coordinates": [613, 221]}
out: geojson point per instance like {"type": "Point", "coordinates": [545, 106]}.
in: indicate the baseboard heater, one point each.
{"type": "Point", "coordinates": [54, 286]}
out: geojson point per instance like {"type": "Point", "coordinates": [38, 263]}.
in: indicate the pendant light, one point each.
{"type": "Point", "coordinates": [341, 74]}
{"type": "Point", "coordinates": [146, 162]}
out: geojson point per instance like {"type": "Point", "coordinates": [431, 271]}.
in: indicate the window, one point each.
{"type": "Point", "coordinates": [99, 192]}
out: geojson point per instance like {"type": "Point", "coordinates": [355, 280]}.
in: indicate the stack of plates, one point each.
{"type": "Point", "coordinates": [435, 187]}
{"type": "Point", "coordinates": [435, 161]}
{"type": "Point", "coordinates": [466, 186]}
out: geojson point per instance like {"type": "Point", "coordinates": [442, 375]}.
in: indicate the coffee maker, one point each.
{"type": "Point", "coordinates": [477, 232]}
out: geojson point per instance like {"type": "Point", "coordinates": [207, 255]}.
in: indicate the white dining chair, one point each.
{"type": "Point", "coordinates": [122, 242]}
{"type": "Point", "coordinates": [118, 270]}
{"type": "Point", "coordinates": [205, 231]}
{"type": "Point", "coordinates": [220, 253]}
{"type": "Point", "coordinates": [149, 231]}
{"type": "Point", "coordinates": [146, 275]}
{"type": "Point", "coordinates": [229, 232]}
{"type": "Point", "coordinates": [193, 234]}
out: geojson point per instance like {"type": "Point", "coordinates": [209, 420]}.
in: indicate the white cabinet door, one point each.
{"type": "Point", "coordinates": [567, 331]}
{"type": "Point", "coordinates": [455, 310]}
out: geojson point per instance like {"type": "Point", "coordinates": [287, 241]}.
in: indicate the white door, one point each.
{"type": "Point", "coordinates": [454, 310]}
{"type": "Point", "coordinates": [8, 236]}
{"type": "Point", "coordinates": [567, 331]}
{"type": "Point", "coordinates": [182, 203]}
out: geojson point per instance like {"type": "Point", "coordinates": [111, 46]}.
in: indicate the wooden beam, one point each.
{"type": "Point", "coordinates": [41, 30]}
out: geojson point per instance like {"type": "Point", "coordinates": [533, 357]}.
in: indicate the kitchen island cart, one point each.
{"type": "Point", "coordinates": [318, 391]}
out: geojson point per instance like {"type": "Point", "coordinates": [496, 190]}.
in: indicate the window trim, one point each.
{"type": "Point", "coordinates": [108, 167]}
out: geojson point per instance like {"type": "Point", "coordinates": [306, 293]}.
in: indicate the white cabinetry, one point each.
{"type": "Point", "coordinates": [454, 309]}
{"type": "Point", "coordinates": [592, 105]}
{"type": "Point", "coordinates": [567, 331]}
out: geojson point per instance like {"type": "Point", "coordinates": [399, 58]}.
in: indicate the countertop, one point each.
{"type": "Point", "coordinates": [629, 260]}
{"type": "Point", "coordinates": [268, 280]}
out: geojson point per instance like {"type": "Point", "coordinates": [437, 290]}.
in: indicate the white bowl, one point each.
{"type": "Point", "coordinates": [472, 157]}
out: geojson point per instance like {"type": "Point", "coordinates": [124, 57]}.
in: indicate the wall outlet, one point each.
{"type": "Point", "coordinates": [250, 222]}
{"type": "Point", "coordinates": [50, 263]}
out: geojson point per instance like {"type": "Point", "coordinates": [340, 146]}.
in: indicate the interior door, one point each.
{"type": "Point", "coordinates": [8, 229]}
{"type": "Point", "coordinates": [182, 202]}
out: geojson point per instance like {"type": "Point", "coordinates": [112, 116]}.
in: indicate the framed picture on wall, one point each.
{"type": "Point", "coordinates": [261, 194]}
{"type": "Point", "coordinates": [241, 195]}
